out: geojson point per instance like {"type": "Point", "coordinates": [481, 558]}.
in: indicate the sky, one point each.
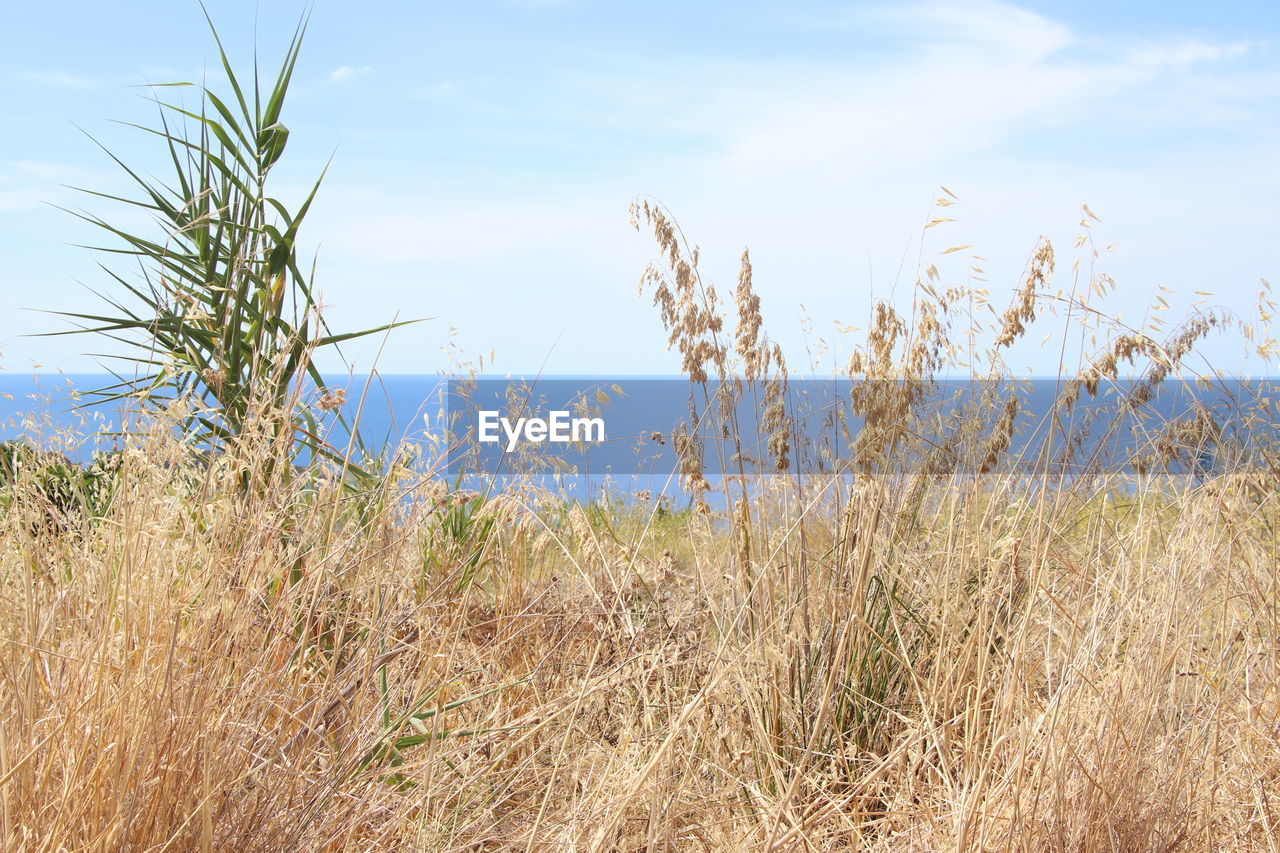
{"type": "Point", "coordinates": [484, 156]}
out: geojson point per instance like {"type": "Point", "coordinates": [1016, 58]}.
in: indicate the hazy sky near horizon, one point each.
{"type": "Point", "coordinates": [485, 155]}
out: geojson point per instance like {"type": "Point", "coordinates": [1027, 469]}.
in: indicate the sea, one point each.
{"type": "Point", "coordinates": [646, 422]}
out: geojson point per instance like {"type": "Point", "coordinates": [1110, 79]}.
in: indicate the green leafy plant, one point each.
{"type": "Point", "coordinates": [60, 487]}
{"type": "Point", "coordinates": [392, 743]}
{"type": "Point", "coordinates": [462, 538]}
{"type": "Point", "coordinates": [221, 312]}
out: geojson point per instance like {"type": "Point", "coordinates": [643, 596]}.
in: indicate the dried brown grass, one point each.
{"type": "Point", "coordinates": [876, 663]}
{"type": "Point", "coordinates": [205, 672]}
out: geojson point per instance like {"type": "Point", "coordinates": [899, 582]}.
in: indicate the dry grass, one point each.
{"type": "Point", "coordinates": [199, 671]}
{"type": "Point", "coordinates": [881, 661]}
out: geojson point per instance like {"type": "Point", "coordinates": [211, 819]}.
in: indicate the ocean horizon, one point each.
{"type": "Point", "coordinates": [641, 412]}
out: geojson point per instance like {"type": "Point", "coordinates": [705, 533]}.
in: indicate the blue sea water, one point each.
{"type": "Point", "coordinates": [58, 410]}
{"type": "Point", "coordinates": [642, 413]}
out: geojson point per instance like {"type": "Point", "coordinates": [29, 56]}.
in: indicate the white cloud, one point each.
{"type": "Point", "coordinates": [986, 25]}
{"type": "Point", "coordinates": [348, 72]}
{"type": "Point", "coordinates": [37, 169]}
{"type": "Point", "coordinates": [972, 77]}
{"type": "Point", "coordinates": [393, 230]}
{"type": "Point", "coordinates": [444, 89]}
{"type": "Point", "coordinates": [1183, 54]}
{"type": "Point", "coordinates": [28, 184]}
{"type": "Point", "coordinates": [60, 80]}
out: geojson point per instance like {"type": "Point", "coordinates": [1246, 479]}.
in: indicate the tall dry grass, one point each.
{"type": "Point", "coordinates": [886, 660]}
{"type": "Point", "coordinates": [207, 670]}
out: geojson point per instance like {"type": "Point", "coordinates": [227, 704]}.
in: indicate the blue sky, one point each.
{"type": "Point", "coordinates": [486, 153]}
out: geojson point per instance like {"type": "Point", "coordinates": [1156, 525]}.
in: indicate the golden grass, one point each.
{"type": "Point", "coordinates": [236, 657]}
{"type": "Point", "coordinates": [205, 670]}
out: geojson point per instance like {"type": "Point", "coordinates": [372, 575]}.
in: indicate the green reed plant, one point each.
{"type": "Point", "coordinates": [220, 310]}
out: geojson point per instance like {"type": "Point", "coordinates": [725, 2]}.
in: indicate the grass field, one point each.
{"type": "Point", "coordinates": [976, 669]}
{"type": "Point", "coordinates": [221, 651]}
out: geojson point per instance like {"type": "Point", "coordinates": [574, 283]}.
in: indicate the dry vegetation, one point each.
{"type": "Point", "coordinates": [918, 643]}
{"type": "Point", "coordinates": [230, 656]}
